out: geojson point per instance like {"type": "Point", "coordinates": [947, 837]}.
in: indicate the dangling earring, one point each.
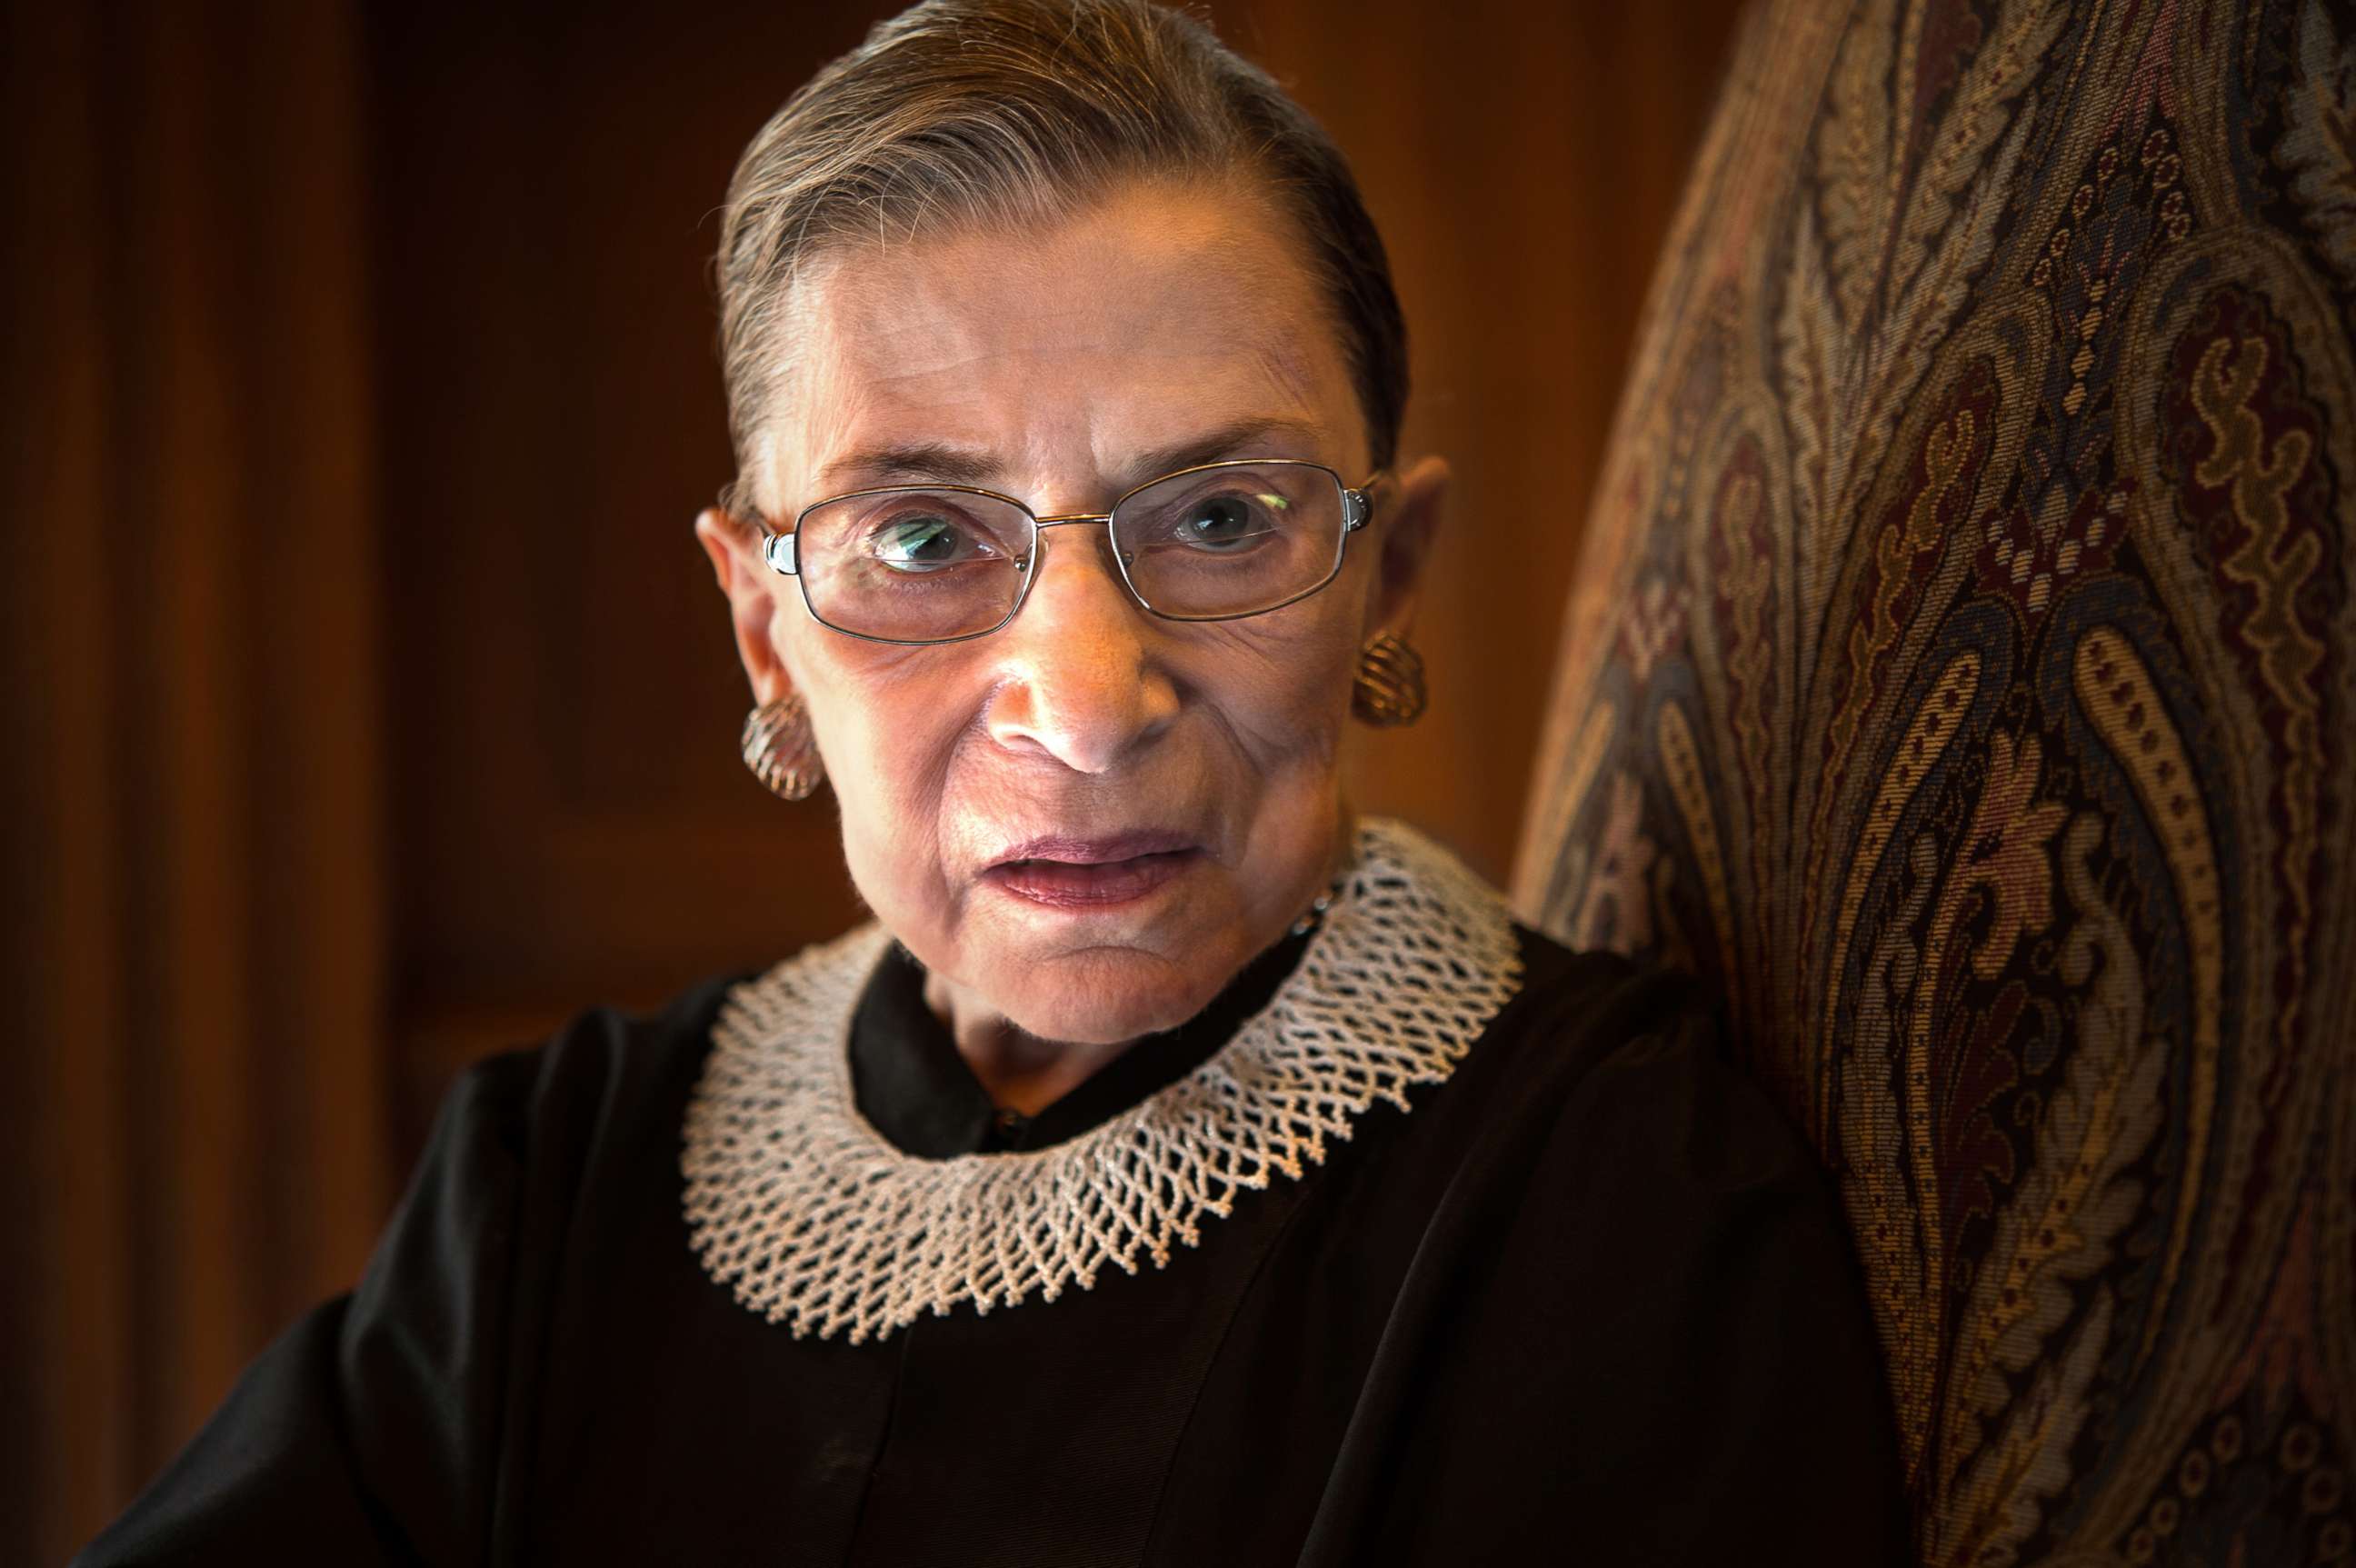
{"type": "Point", "coordinates": [1388, 691]}
{"type": "Point", "coordinates": [780, 751]}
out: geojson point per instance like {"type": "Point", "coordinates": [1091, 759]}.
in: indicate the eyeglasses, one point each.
{"type": "Point", "coordinates": [945, 562]}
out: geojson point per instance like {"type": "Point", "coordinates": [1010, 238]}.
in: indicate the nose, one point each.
{"type": "Point", "coordinates": [1079, 679]}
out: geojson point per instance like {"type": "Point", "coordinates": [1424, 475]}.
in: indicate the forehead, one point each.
{"type": "Point", "coordinates": [1062, 354]}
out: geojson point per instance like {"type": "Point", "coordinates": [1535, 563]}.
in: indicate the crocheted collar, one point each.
{"type": "Point", "coordinates": [814, 1220]}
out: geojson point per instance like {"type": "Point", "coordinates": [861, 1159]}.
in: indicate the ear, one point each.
{"type": "Point", "coordinates": [1406, 518]}
{"type": "Point", "coordinates": [750, 586]}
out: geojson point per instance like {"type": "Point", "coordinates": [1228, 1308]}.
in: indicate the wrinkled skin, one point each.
{"type": "Point", "coordinates": [1072, 363]}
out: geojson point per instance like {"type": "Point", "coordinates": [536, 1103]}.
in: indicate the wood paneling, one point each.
{"type": "Point", "coordinates": [370, 704]}
{"type": "Point", "coordinates": [575, 823]}
{"type": "Point", "coordinates": [1522, 161]}
{"type": "Point", "coordinates": [199, 1123]}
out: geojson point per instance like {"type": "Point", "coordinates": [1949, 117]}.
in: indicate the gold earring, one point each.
{"type": "Point", "coordinates": [780, 750]}
{"type": "Point", "coordinates": [1388, 690]}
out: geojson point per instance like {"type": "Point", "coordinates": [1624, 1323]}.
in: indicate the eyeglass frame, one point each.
{"type": "Point", "coordinates": [778, 549]}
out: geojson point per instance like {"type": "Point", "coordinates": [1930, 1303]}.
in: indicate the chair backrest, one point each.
{"type": "Point", "coordinates": [1959, 674]}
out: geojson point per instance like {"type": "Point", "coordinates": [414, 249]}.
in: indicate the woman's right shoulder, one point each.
{"type": "Point", "coordinates": [608, 1075]}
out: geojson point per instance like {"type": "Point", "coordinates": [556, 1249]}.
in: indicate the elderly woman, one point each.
{"type": "Point", "coordinates": [1176, 1170]}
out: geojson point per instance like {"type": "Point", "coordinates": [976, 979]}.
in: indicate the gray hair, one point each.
{"type": "Point", "coordinates": [1005, 112]}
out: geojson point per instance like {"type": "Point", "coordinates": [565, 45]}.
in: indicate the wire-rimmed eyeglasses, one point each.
{"type": "Point", "coordinates": [917, 563]}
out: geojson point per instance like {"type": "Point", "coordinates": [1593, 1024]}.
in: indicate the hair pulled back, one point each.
{"type": "Point", "coordinates": [1010, 111]}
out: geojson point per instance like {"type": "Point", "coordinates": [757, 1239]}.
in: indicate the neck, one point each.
{"type": "Point", "coordinates": [1019, 1072]}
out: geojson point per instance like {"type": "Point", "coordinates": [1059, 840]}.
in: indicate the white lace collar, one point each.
{"type": "Point", "coordinates": [814, 1220]}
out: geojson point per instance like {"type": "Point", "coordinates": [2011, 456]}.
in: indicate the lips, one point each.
{"type": "Point", "coordinates": [1060, 872]}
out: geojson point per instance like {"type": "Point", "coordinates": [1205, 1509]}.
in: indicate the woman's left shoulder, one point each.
{"type": "Point", "coordinates": [1635, 1299]}
{"type": "Point", "coordinates": [1600, 1057]}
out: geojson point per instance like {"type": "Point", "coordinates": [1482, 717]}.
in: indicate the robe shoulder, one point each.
{"type": "Point", "coordinates": [1597, 1058]}
{"type": "Point", "coordinates": [1595, 1048]}
{"type": "Point", "coordinates": [370, 1431]}
{"type": "Point", "coordinates": [1637, 1300]}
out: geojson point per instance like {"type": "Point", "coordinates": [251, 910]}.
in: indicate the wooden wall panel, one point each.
{"type": "Point", "coordinates": [1522, 161]}
{"type": "Point", "coordinates": [575, 825]}
{"type": "Point", "coordinates": [199, 1123]}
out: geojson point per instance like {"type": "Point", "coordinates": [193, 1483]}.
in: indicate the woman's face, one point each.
{"type": "Point", "coordinates": [1091, 818]}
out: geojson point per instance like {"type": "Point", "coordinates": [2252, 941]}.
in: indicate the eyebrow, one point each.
{"type": "Point", "coordinates": [944, 463]}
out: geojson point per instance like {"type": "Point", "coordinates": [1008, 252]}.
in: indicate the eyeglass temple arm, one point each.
{"type": "Point", "coordinates": [1359, 504]}
{"type": "Point", "coordinates": [778, 550]}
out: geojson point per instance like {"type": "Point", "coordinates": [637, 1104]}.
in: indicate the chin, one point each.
{"type": "Point", "coordinates": [1105, 997]}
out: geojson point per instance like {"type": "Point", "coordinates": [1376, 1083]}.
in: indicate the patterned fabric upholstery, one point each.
{"type": "Point", "coordinates": [1959, 674]}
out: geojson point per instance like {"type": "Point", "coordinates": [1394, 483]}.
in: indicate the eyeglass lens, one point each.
{"type": "Point", "coordinates": [927, 565]}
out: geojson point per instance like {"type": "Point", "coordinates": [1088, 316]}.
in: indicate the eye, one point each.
{"type": "Point", "coordinates": [926, 542]}
{"type": "Point", "coordinates": [1220, 524]}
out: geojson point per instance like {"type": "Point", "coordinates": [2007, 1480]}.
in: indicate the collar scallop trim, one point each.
{"type": "Point", "coordinates": [814, 1220]}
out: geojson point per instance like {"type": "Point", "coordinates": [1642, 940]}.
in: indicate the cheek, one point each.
{"type": "Point", "coordinates": [1283, 689]}
{"type": "Point", "coordinates": [785, 612]}
{"type": "Point", "coordinates": [887, 729]}
{"type": "Point", "coordinates": [896, 740]}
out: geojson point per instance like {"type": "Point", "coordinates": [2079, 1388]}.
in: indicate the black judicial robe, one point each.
{"type": "Point", "coordinates": [1591, 1302]}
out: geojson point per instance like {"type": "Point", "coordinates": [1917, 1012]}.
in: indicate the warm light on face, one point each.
{"type": "Point", "coordinates": [1093, 815]}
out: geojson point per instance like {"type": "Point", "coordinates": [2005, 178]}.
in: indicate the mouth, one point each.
{"type": "Point", "coordinates": [1092, 874]}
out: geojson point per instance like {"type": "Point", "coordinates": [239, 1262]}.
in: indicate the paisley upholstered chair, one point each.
{"type": "Point", "coordinates": [1961, 674]}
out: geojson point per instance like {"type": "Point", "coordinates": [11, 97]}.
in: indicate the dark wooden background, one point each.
{"type": "Point", "coordinates": [367, 703]}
